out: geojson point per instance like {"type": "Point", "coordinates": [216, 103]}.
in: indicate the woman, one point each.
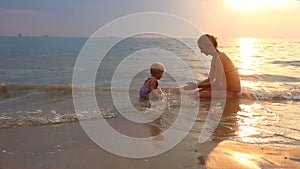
{"type": "Point", "coordinates": [222, 69]}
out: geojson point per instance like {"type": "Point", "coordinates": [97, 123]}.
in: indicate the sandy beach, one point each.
{"type": "Point", "coordinates": [67, 146]}
{"type": "Point", "coordinates": [230, 154]}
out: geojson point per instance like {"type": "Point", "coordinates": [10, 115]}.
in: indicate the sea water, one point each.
{"type": "Point", "coordinates": [36, 84]}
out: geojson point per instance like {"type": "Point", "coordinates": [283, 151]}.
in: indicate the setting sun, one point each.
{"type": "Point", "coordinates": [257, 4]}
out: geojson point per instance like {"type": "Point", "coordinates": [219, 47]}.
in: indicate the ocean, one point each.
{"type": "Point", "coordinates": [36, 85]}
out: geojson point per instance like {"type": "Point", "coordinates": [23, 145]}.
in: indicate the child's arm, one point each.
{"type": "Point", "coordinates": [155, 92]}
{"type": "Point", "coordinates": [152, 84]}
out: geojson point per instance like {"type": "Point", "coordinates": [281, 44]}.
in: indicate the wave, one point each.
{"type": "Point", "coordinates": [267, 94]}
{"type": "Point", "coordinates": [9, 91]}
{"type": "Point", "coordinates": [270, 78]}
{"type": "Point", "coordinates": [33, 118]}
{"type": "Point", "coordinates": [39, 117]}
{"type": "Point", "coordinates": [60, 110]}
{"type": "Point", "coordinates": [287, 63]}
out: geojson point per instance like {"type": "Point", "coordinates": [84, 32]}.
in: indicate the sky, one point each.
{"type": "Point", "coordinates": [225, 18]}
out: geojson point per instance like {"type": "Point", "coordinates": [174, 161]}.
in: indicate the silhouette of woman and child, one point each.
{"type": "Point", "coordinates": [207, 88]}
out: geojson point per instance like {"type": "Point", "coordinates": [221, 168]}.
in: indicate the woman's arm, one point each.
{"type": "Point", "coordinates": [203, 84]}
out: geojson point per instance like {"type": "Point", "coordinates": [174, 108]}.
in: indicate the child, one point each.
{"type": "Point", "coordinates": [150, 89]}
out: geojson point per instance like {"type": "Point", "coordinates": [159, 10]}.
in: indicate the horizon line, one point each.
{"type": "Point", "coordinates": [60, 36]}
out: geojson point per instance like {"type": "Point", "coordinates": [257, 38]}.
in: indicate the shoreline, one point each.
{"type": "Point", "coordinates": [67, 146]}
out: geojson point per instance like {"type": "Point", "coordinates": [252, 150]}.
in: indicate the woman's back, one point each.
{"type": "Point", "coordinates": [231, 72]}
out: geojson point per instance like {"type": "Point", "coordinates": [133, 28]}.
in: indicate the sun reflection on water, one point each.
{"type": "Point", "coordinates": [248, 122]}
{"type": "Point", "coordinates": [250, 84]}
{"type": "Point", "coordinates": [247, 50]}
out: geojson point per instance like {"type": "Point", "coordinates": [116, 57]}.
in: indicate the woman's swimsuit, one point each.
{"type": "Point", "coordinates": [234, 94]}
{"type": "Point", "coordinates": [231, 70]}
{"type": "Point", "coordinates": [145, 91]}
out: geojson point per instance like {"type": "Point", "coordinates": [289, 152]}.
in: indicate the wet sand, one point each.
{"type": "Point", "coordinates": [66, 146]}
{"type": "Point", "coordinates": [229, 154]}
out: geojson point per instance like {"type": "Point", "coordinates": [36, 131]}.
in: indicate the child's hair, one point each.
{"type": "Point", "coordinates": [157, 67]}
{"type": "Point", "coordinates": [211, 38]}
